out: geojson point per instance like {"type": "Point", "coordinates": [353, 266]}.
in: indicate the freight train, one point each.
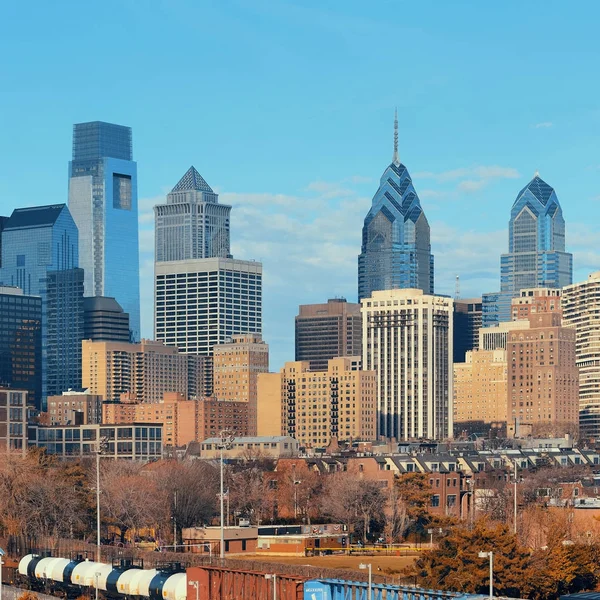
{"type": "Point", "coordinates": [72, 577]}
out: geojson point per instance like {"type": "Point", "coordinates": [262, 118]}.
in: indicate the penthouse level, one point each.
{"type": "Point", "coordinates": [131, 441]}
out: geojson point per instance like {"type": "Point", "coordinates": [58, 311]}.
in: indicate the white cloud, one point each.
{"type": "Point", "coordinates": [544, 125]}
{"type": "Point", "coordinates": [470, 179]}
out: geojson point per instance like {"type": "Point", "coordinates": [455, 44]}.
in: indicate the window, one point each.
{"type": "Point", "coordinates": [122, 191]}
{"type": "Point", "coordinates": [20, 260]}
{"type": "Point", "coordinates": [435, 500]}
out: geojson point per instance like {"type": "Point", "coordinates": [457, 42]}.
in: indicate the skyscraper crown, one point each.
{"type": "Point", "coordinates": [192, 181]}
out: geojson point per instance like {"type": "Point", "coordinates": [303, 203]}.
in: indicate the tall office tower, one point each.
{"type": "Point", "coordinates": [143, 371]}
{"type": "Point", "coordinates": [543, 386]}
{"type": "Point", "coordinates": [37, 242]}
{"type": "Point", "coordinates": [317, 406]}
{"type": "Point", "coordinates": [103, 202]}
{"type": "Point", "coordinates": [203, 302]}
{"type": "Point", "coordinates": [407, 340]}
{"type": "Point", "coordinates": [467, 322]}
{"type": "Point", "coordinates": [395, 251]}
{"type": "Point", "coordinates": [104, 320]}
{"type": "Point", "coordinates": [236, 365]}
{"type": "Point", "coordinates": [3, 221]}
{"type": "Point", "coordinates": [480, 392]}
{"type": "Point", "coordinates": [326, 331]}
{"type": "Point", "coordinates": [536, 250]}
{"type": "Point", "coordinates": [581, 311]}
{"type": "Point", "coordinates": [192, 224]}
{"type": "Point", "coordinates": [64, 322]}
{"type": "Point", "coordinates": [21, 342]}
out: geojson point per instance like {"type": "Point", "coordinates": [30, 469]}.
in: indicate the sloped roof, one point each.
{"type": "Point", "coordinates": [192, 180]}
{"type": "Point", "coordinates": [35, 216]}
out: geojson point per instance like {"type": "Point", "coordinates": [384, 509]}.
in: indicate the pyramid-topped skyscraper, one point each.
{"type": "Point", "coordinates": [536, 256]}
{"type": "Point", "coordinates": [192, 224]}
{"type": "Point", "coordinates": [396, 248]}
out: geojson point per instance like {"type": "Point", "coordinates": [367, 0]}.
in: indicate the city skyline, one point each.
{"type": "Point", "coordinates": [291, 161]}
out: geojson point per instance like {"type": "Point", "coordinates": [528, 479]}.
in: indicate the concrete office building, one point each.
{"type": "Point", "coordinates": [316, 407]}
{"type": "Point", "coordinates": [326, 331]}
{"type": "Point", "coordinates": [201, 303]}
{"type": "Point", "coordinates": [104, 320]}
{"type": "Point", "coordinates": [581, 312]}
{"type": "Point", "coordinates": [407, 341]}
{"type": "Point", "coordinates": [236, 366]}
{"type": "Point", "coordinates": [144, 371]}
{"type": "Point", "coordinates": [467, 323]}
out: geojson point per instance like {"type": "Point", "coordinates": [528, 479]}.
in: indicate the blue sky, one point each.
{"type": "Point", "coordinates": [286, 108]}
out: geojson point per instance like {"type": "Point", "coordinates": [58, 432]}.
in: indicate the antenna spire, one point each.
{"type": "Point", "coordinates": [395, 158]}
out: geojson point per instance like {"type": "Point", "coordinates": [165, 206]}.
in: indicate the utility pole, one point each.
{"type": "Point", "coordinates": [226, 444]}
{"type": "Point", "coordinates": [102, 445]}
{"type": "Point", "coordinates": [175, 522]}
{"type": "Point", "coordinates": [515, 494]}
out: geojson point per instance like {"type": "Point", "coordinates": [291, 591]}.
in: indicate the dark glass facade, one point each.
{"type": "Point", "coordinates": [21, 343]}
{"type": "Point", "coordinates": [467, 322]}
{"type": "Point", "coordinates": [104, 320]}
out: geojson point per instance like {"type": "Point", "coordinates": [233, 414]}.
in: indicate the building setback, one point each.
{"type": "Point", "coordinates": [326, 331]}
{"type": "Point", "coordinates": [21, 342]}
{"type": "Point", "coordinates": [104, 320]}
{"type": "Point", "coordinates": [316, 407]}
{"type": "Point", "coordinates": [581, 312]}
{"type": "Point", "coordinates": [407, 341]}
{"type": "Point", "coordinates": [103, 202]}
{"type": "Point", "coordinates": [396, 248]}
{"type": "Point", "coordinates": [236, 366]}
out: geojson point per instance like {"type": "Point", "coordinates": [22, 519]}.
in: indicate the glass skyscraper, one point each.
{"type": "Point", "coordinates": [396, 249]}
{"type": "Point", "coordinates": [192, 224]}
{"type": "Point", "coordinates": [536, 250]}
{"type": "Point", "coordinates": [40, 255]}
{"type": "Point", "coordinates": [103, 202]}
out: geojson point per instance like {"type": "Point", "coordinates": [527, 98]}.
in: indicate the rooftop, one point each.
{"type": "Point", "coordinates": [34, 216]}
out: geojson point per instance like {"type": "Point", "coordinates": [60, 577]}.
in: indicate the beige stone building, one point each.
{"type": "Point", "coordinates": [183, 420]}
{"type": "Point", "coordinates": [480, 388]}
{"type": "Point", "coordinates": [236, 366]}
{"type": "Point", "coordinates": [543, 380]}
{"type": "Point", "coordinates": [75, 408]}
{"type": "Point", "coordinates": [316, 406]}
{"type": "Point", "coordinates": [145, 370]}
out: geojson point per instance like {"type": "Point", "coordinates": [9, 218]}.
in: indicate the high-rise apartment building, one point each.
{"type": "Point", "coordinates": [536, 250]}
{"type": "Point", "coordinates": [543, 385]}
{"type": "Point", "coordinates": [407, 341]}
{"type": "Point", "coordinates": [316, 407]}
{"type": "Point", "coordinates": [396, 248]}
{"type": "Point", "coordinates": [581, 312]}
{"type": "Point", "coordinates": [203, 302]}
{"type": "Point", "coordinates": [40, 255]}
{"type": "Point", "coordinates": [467, 323]}
{"type": "Point", "coordinates": [326, 331]}
{"type": "Point", "coordinates": [103, 202]}
{"type": "Point", "coordinates": [144, 371]}
{"type": "Point", "coordinates": [104, 320]}
{"type": "Point", "coordinates": [21, 342]}
{"type": "Point", "coordinates": [236, 366]}
{"type": "Point", "coordinates": [192, 224]}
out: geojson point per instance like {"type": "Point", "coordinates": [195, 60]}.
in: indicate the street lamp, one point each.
{"type": "Point", "coordinates": [226, 444]}
{"type": "Point", "coordinates": [102, 446]}
{"type": "Point", "coordinates": [97, 574]}
{"type": "Point", "coordinates": [1, 563]}
{"type": "Point", "coordinates": [370, 568]}
{"type": "Point", "coordinates": [490, 555]}
{"type": "Point", "coordinates": [296, 484]}
{"type": "Point", "coordinates": [195, 584]}
{"type": "Point", "coordinates": [274, 578]}
{"type": "Point", "coordinates": [515, 509]}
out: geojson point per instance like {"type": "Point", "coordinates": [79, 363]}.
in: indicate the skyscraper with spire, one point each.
{"type": "Point", "coordinates": [396, 249]}
{"type": "Point", "coordinates": [536, 254]}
